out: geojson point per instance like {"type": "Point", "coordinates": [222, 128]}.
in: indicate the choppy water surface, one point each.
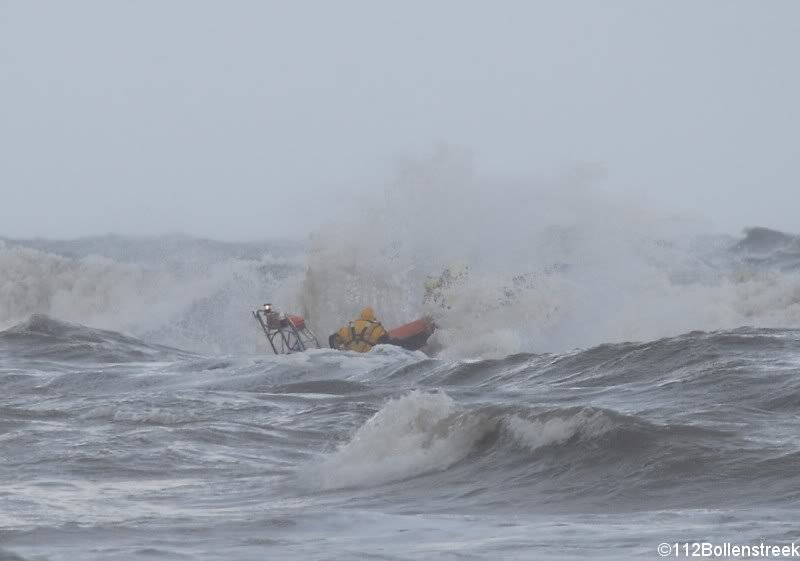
{"type": "Point", "coordinates": [116, 449]}
{"type": "Point", "coordinates": [140, 420]}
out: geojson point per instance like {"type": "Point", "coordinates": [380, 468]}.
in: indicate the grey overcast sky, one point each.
{"type": "Point", "coordinates": [145, 117]}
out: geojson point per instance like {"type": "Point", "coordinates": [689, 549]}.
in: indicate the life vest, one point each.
{"type": "Point", "coordinates": [360, 335]}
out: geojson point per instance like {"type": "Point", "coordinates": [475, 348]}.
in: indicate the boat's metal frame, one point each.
{"type": "Point", "coordinates": [283, 334]}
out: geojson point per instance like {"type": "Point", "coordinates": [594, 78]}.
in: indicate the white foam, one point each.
{"type": "Point", "coordinates": [414, 434]}
{"type": "Point", "coordinates": [535, 433]}
{"type": "Point", "coordinates": [597, 269]}
{"type": "Point", "coordinates": [179, 304]}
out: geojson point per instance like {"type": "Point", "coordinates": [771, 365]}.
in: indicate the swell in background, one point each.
{"type": "Point", "coordinates": [553, 262]}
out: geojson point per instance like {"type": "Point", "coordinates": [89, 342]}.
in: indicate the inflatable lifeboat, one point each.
{"type": "Point", "coordinates": [288, 333]}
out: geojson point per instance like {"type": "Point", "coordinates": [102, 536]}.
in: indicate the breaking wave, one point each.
{"type": "Point", "coordinates": [190, 300]}
{"type": "Point", "coordinates": [417, 433]}
{"type": "Point", "coordinates": [421, 434]}
{"type": "Point", "coordinates": [42, 337]}
{"type": "Point", "coordinates": [547, 264]}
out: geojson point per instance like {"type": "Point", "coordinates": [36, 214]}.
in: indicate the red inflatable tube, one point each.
{"type": "Point", "coordinates": [298, 321]}
{"type": "Point", "coordinates": [412, 336]}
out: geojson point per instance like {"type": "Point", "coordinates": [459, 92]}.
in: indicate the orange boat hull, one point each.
{"type": "Point", "coordinates": [412, 336]}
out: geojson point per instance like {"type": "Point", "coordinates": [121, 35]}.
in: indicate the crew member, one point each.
{"type": "Point", "coordinates": [359, 335]}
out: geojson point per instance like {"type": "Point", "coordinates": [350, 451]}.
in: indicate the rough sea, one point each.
{"type": "Point", "coordinates": [572, 408]}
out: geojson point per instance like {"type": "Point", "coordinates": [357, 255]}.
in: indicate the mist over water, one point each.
{"type": "Point", "coordinates": [552, 263]}
{"type": "Point", "coordinates": [613, 273]}
{"type": "Point", "coordinates": [192, 296]}
{"type": "Point", "coordinates": [602, 376]}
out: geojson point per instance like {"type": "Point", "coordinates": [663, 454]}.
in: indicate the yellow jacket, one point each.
{"type": "Point", "coordinates": [360, 335]}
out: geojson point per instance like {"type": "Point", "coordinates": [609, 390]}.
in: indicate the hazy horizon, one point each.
{"type": "Point", "coordinates": [256, 120]}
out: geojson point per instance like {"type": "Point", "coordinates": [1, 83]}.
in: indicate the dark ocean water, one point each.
{"type": "Point", "coordinates": [116, 449]}
{"type": "Point", "coordinates": [139, 420]}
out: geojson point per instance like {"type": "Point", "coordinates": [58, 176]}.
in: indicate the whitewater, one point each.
{"type": "Point", "coordinates": [603, 380]}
